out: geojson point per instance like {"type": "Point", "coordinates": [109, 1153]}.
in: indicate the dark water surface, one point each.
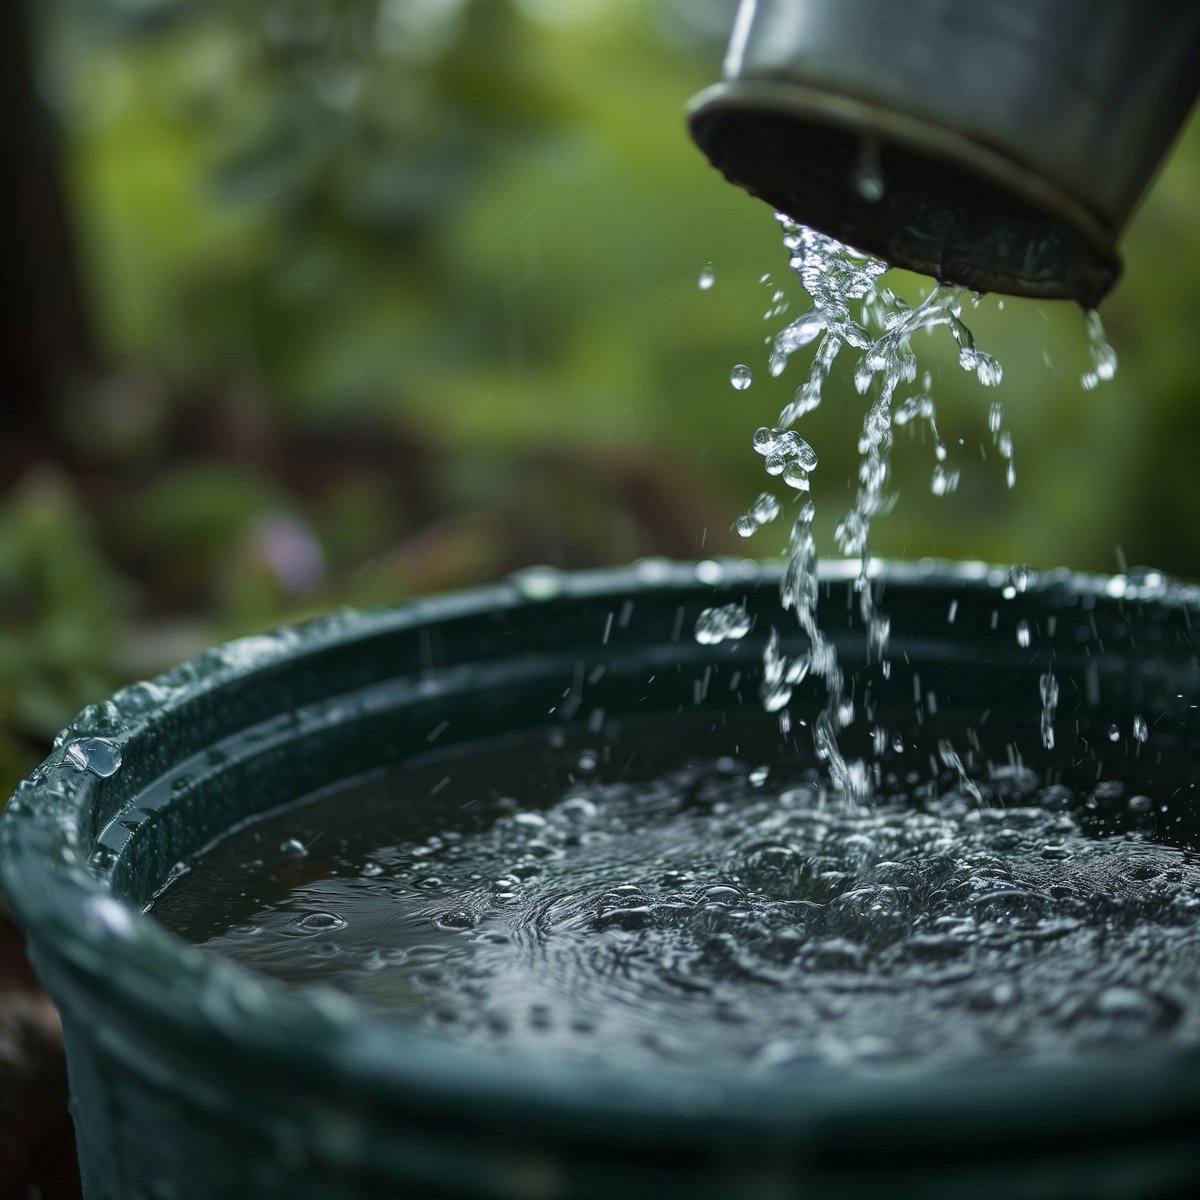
{"type": "Point", "coordinates": [635, 905]}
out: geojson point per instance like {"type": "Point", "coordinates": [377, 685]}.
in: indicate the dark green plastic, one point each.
{"type": "Point", "coordinates": [195, 1079]}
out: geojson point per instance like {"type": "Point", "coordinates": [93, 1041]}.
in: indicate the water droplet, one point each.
{"type": "Point", "coordinates": [1048, 685]}
{"type": "Point", "coordinates": [107, 916]}
{"type": "Point", "coordinates": [538, 583]}
{"type": "Point", "coordinates": [765, 508]}
{"type": "Point", "coordinates": [293, 848]}
{"type": "Point", "coordinates": [804, 454]}
{"type": "Point", "coordinates": [866, 176]}
{"type": "Point", "coordinates": [795, 476]}
{"type": "Point", "coordinates": [758, 776]}
{"type": "Point", "coordinates": [987, 370]}
{"type": "Point", "coordinates": [727, 622]}
{"type": "Point", "coordinates": [1020, 576]}
{"type": "Point", "coordinates": [100, 756]}
{"type": "Point", "coordinates": [746, 526]}
{"type": "Point", "coordinates": [1023, 635]}
{"type": "Point", "coordinates": [1114, 734]}
{"type": "Point", "coordinates": [943, 482]}
{"type": "Point", "coordinates": [103, 859]}
{"type": "Point", "coordinates": [1141, 731]}
{"type": "Point", "coordinates": [707, 278]}
{"type": "Point", "coordinates": [177, 871]}
{"type": "Point", "coordinates": [766, 441]}
{"type": "Point", "coordinates": [1140, 804]}
{"type": "Point", "coordinates": [740, 377]}
{"type": "Point", "coordinates": [1103, 356]}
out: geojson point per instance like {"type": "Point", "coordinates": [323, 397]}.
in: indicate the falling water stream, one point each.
{"type": "Point", "coordinates": [853, 311]}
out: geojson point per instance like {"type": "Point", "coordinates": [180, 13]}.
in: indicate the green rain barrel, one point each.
{"type": "Point", "coordinates": [194, 1077]}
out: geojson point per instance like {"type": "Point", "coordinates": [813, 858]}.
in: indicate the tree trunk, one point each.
{"type": "Point", "coordinates": [44, 342]}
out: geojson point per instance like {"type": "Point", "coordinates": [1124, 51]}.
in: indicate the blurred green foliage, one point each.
{"type": "Point", "coordinates": [397, 295]}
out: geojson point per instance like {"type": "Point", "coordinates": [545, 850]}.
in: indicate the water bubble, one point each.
{"type": "Point", "coordinates": [100, 756]}
{"type": "Point", "coordinates": [707, 278]}
{"type": "Point", "coordinates": [458, 919]}
{"type": "Point", "coordinates": [293, 848]}
{"type": "Point", "coordinates": [1121, 1013]}
{"type": "Point", "coordinates": [316, 922]}
{"type": "Point", "coordinates": [727, 622]}
{"type": "Point", "coordinates": [578, 808]}
{"type": "Point", "coordinates": [716, 916]}
{"type": "Point", "coordinates": [740, 377]}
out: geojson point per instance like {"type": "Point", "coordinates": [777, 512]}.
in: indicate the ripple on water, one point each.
{"type": "Point", "coordinates": [637, 922]}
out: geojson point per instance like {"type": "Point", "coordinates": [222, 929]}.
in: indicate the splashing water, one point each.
{"type": "Point", "coordinates": [725, 917]}
{"type": "Point", "coordinates": [879, 331]}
